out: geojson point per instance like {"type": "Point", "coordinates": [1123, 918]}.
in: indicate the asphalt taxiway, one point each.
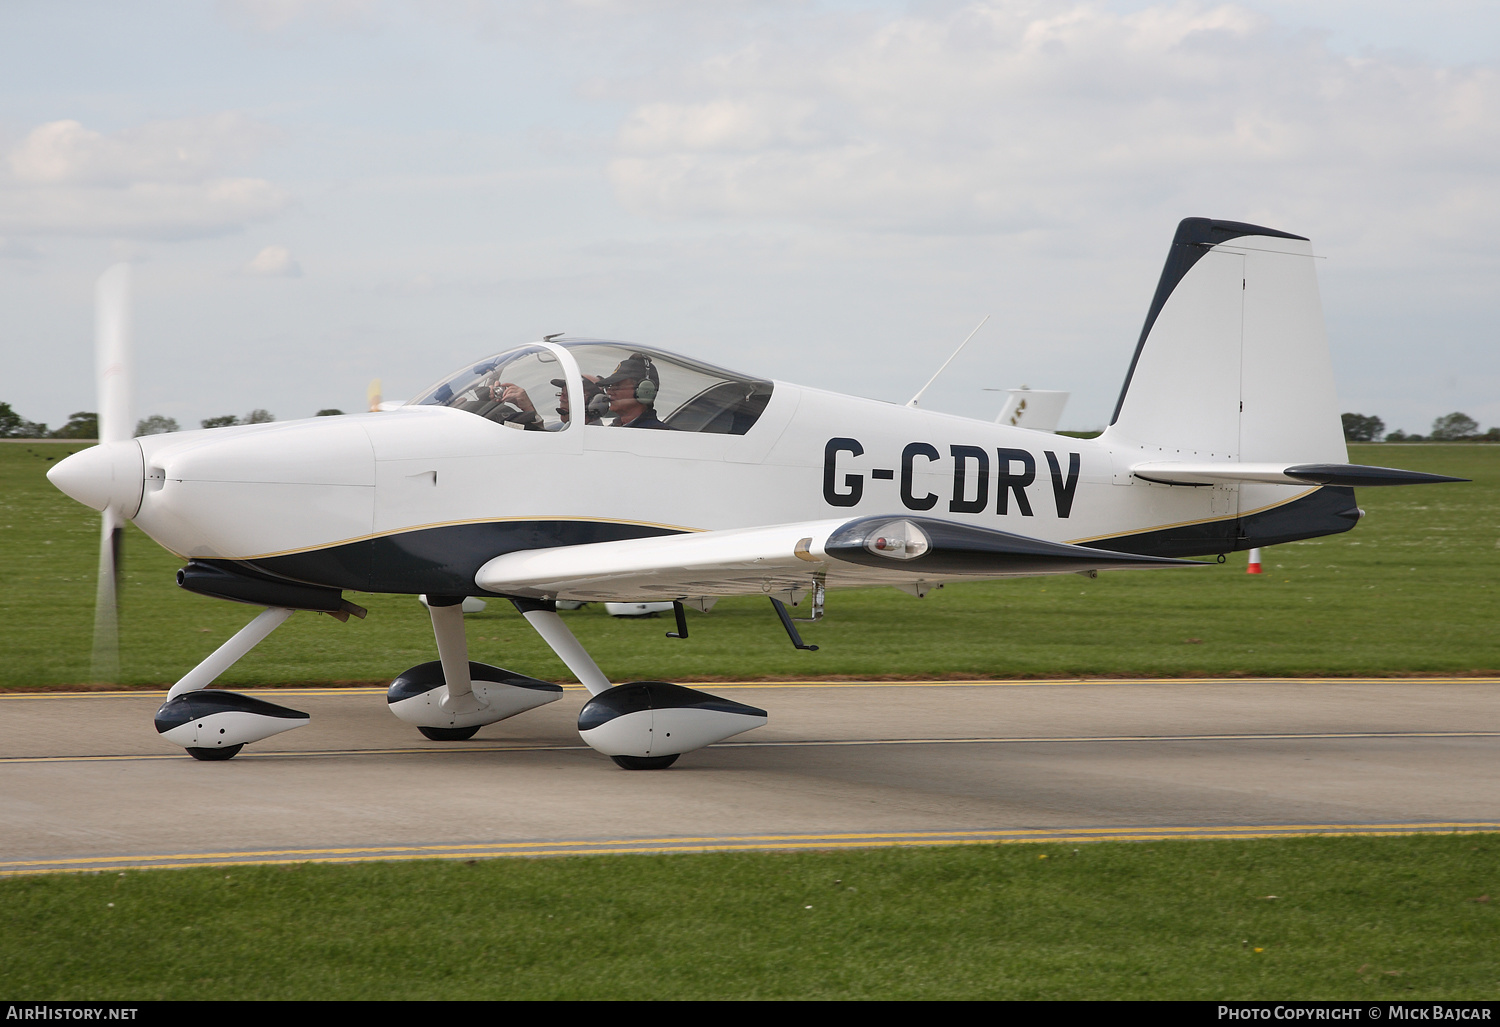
{"type": "Point", "coordinates": [85, 783]}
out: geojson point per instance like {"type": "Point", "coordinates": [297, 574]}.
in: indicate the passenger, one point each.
{"type": "Point", "coordinates": [632, 390]}
{"type": "Point", "coordinates": [514, 395]}
{"type": "Point", "coordinates": [595, 403]}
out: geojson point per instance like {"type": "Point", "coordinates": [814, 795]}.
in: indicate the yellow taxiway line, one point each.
{"type": "Point", "coordinates": [729, 843]}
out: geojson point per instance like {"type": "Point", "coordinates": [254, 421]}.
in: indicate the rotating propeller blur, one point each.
{"type": "Point", "coordinates": [109, 476]}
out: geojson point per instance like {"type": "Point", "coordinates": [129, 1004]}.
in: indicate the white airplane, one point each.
{"type": "Point", "coordinates": [1226, 437]}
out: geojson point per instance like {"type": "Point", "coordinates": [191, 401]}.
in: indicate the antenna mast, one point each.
{"type": "Point", "coordinates": [913, 401]}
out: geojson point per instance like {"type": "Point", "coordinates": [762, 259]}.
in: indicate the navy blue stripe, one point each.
{"type": "Point", "coordinates": [1328, 511]}
{"type": "Point", "coordinates": [441, 560]}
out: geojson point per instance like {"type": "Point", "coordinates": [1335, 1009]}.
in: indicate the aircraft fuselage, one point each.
{"type": "Point", "coordinates": [415, 500]}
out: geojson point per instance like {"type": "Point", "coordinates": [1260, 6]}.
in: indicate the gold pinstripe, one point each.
{"type": "Point", "coordinates": [1201, 520]}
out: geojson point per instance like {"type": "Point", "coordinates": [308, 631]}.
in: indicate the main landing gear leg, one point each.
{"type": "Point", "coordinates": [450, 699]}
{"type": "Point", "coordinates": [641, 725]}
{"type": "Point", "coordinates": [216, 725]}
{"type": "Point", "coordinates": [542, 615]}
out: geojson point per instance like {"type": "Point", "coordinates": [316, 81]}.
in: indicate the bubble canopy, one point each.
{"type": "Point", "coordinates": [622, 385]}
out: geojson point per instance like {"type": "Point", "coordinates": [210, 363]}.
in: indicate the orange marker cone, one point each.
{"type": "Point", "coordinates": [1254, 567]}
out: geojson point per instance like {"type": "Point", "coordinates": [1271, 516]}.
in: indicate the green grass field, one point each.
{"type": "Point", "coordinates": [1412, 590]}
{"type": "Point", "coordinates": [1311, 918]}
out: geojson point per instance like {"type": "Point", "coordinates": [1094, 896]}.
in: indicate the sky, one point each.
{"type": "Point", "coordinates": [315, 193]}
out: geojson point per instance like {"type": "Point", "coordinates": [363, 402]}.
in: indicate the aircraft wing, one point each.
{"type": "Point", "coordinates": [1180, 472]}
{"type": "Point", "coordinates": [786, 559]}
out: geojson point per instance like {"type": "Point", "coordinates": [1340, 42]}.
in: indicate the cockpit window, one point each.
{"type": "Point", "coordinates": [623, 386]}
{"type": "Point", "coordinates": [636, 386]}
{"type": "Point", "coordinates": [520, 388]}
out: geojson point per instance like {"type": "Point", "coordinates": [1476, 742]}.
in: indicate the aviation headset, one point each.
{"type": "Point", "coordinates": [648, 386]}
{"type": "Point", "coordinates": [646, 389]}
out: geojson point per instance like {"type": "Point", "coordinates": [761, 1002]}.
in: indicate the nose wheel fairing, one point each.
{"type": "Point", "coordinates": [219, 722]}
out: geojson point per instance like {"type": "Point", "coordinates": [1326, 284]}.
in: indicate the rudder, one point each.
{"type": "Point", "coordinates": [1232, 363]}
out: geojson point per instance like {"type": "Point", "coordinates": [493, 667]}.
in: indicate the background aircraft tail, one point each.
{"type": "Point", "coordinates": [1232, 363]}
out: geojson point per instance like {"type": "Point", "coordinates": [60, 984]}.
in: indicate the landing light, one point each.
{"type": "Point", "coordinates": [898, 540]}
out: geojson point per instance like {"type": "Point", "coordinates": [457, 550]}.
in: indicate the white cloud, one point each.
{"type": "Point", "coordinates": [274, 262]}
{"type": "Point", "coordinates": [1006, 116]}
{"type": "Point", "coordinates": [161, 180]}
{"type": "Point", "coordinates": [184, 150]}
{"type": "Point", "coordinates": [738, 125]}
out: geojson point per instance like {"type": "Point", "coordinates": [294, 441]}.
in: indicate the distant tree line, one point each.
{"type": "Point", "coordinates": [253, 417]}
{"type": "Point", "coordinates": [84, 424]}
{"type": "Point", "coordinates": [227, 420]}
{"type": "Point", "coordinates": [1454, 427]}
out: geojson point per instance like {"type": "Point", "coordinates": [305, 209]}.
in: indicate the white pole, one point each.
{"type": "Point", "coordinates": [453, 648]}
{"type": "Point", "coordinates": [568, 649]}
{"type": "Point", "coordinates": [224, 657]}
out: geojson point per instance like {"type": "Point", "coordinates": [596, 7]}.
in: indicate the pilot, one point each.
{"type": "Point", "coordinates": [632, 390]}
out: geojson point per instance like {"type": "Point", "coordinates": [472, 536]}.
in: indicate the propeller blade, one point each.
{"type": "Point", "coordinates": [105, 665]}
{"type": "Point", "coordinates": [112, 381]}
{"type": "Point", "coordinates": [112, 354]}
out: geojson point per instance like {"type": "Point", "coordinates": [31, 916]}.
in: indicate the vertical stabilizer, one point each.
{"type": "Point", "coordinates": [1233, 363]}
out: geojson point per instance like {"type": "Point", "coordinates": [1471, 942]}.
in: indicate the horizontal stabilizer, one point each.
{"type": "Point", "coordinates": [790, 558]}
{"type": "Point", "coordinates": [1363, 474]}
{"type": "Point", "coordinates": [1177, 472]}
